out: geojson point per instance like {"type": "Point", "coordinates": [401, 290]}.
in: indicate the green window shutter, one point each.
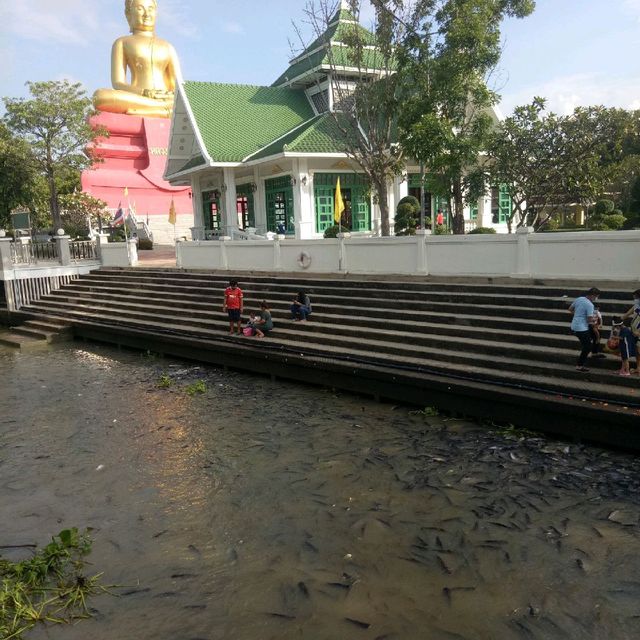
{"type": "Point", "coordinates": [360, 210]}
{"type": "Point", "coordinates": [324, 200]}
{"type": "Point", "coordinates": [504, 203]}
{"type": "Point", "coordinates": [324, 185]}
{"type": "Point", "coordinates": [473, 212]}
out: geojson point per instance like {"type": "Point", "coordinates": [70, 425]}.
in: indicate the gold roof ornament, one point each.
{"type": "Point", "coordinates": [151, 62]}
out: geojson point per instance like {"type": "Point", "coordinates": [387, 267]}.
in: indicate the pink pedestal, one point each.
{"type": "Point", "coordinates": [134, 156]}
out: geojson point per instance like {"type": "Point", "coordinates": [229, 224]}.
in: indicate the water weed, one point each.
{"type": "Point", "coordinates": [50, 587]}
{"type": "Point", "coordinates": [197, 387]}
{"type": "Point", "coordinates": [165, 381]}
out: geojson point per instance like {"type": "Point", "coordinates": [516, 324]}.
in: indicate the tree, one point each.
{"type": "Point", "coordinates": [55, 124]}
{"type": "Point", "coordinates": [17, 174]}
{"type": "Point", "coordinates": [552, 161]}
{"type": "Point", "coordinates": [79, 210]}
{"type": "Point", "coordinates": [366, 102]}
{"type": "Point", "coordinates": [445, 60]}
{"type": "Point", "coordinates": [407, 216]}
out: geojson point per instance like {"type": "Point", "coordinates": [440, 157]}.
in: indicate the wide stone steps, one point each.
{"type": "Point", "coordinates": [373, 352]}
{"type": "Point", "coordinates": [392, 346]}
{"type": "Point", "coordinates": [487, 340]}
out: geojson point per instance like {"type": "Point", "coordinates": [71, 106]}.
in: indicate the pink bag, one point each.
{"type": "Point", "coordinates": [248, 331]}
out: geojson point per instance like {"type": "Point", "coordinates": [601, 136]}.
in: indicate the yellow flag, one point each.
{"type": "Point", "coordinates": [126, 192]}
{"type": "Point", "coordinates": [338, 206]}
{"type": "Point", "coordinates": [172, 213]}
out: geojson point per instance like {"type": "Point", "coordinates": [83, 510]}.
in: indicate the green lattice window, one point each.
{"type": "Point", "coordinates": [355, 194]}
{"type": "Point", "coordinates": [279, 198]}
{"type": "Point", "coordinates": [245, 206]}
{"type": "Point", "coordinates": [500, 204]}
{"type": "Point", "coordinates": [473, 212]}
{"type": "Point", "coordinates": [211, 209]}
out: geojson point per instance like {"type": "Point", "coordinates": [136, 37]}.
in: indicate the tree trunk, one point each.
{"type": "Point", "coordinates": [383, 203]}
{"type": "Point", "coordinates": [53, 202]}
{"type": "Point", "coordinates": [457, 223]}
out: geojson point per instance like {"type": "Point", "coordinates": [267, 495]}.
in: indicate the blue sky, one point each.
{"type": "Point", "coordinates": [574, 52]}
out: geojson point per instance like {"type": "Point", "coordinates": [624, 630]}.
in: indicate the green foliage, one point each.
{"type": "Point", "coordinates": [197, 387]}
{"type": "Point", "coordinates": [603, 207]}
{"type": "Point", "coordinates": [407, 217]}
{"type": "Point", "coordinates": [144, 244]}
{"type": "Point", "coordinates": [17, 174]}
{"type": "Point", "coordinates": [441, 230]}
{"type": "Point", "coordinates": [50, 587]}
{"type": "Point", "coordinates": [577, 157]}
{"type": "Point", "coordinates": [332, 231]}
{"type": "Point", "coordinates": [54, 122]}
{"type": "Point", "coordinates": [614, 221]}
{"type": "Point", "coordinates": [482, 230]}
{"type": "Point", "coordinates": [165, 381]}
{"type": "Point", "coordinates": [445, 56]}
{"type": "Point", "coordinates": [632, 222]}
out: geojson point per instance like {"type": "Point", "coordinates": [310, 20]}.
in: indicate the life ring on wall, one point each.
{"type": "Point", "coordinates": [304, 260]}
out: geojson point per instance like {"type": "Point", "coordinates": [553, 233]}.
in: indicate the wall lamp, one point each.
{"type": "Point", "coordinates": [293, 181]}
{"type": "Point", "coordinates": [253, 186]}
{"type": "Point", "coordinates": [304, 180]}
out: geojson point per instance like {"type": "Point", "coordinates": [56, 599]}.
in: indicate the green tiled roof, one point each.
{"type": "Point", "coordinates": [236, 120]}
{"type": "Point", "coordinates": [319, 135]}
{"type": "Point", "coordinates": [193, 163]}
{"type": "Point", "coordinates": [339, 29]}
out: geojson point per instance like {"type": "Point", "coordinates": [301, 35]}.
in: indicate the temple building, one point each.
{"type": "Point", "coordinates": [268, 157]}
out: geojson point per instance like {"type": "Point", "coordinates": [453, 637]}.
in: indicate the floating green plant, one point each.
{"type": "Point", "coordinates": [197, 387]}
{"type": "Point", "coordinates": [50, 587]}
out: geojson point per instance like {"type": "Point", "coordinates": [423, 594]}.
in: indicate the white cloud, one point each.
{"type": "Point", "coordinates": [72, 22]}
{"type": "Point", "coordinates": [565, 93]}
{"type": "Point", "coordinates": [233, 27]}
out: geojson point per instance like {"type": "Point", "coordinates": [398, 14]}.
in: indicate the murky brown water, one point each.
{"type": "Point", "coordinates": [263, 510]}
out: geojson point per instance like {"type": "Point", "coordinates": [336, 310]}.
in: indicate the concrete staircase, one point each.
{"type": "Point", "coordinates": [36, 333]}
{"type": "Point", "coordinates": [509, 336]}
{"type": "Point", "coordinates": [505, 332]}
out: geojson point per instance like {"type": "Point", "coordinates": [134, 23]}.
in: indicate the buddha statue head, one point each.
{"type": "Point", "coordinates": [141, 14]}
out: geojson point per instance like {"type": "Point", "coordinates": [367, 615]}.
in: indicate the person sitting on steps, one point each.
{"type": "Point", "coordinates": [301, 307]}
{"type": "Point", "coordinates": [262, 324]}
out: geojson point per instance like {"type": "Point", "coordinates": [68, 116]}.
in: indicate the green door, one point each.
{"type": "Point", "coordinates": [355, 195]}
{"type": "Point", "coordinates": [360, 210]}
{"type": "Point", "coordinates": [279, 199]}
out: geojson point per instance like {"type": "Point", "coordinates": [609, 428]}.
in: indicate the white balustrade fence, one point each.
{"type": "Point", "coordinates": [590, 255]}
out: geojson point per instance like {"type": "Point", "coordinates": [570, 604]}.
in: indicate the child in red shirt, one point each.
{"type": "Point", "coordinates": [233, 305]}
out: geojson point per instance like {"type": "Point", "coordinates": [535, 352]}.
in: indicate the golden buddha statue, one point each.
{"type": "Point", "coordinates": [152, 63]}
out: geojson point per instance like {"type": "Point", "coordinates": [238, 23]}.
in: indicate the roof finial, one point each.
{"type": "Point", "coordinates": [344, 5]}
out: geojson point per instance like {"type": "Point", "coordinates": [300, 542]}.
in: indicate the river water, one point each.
{"type": "Point", "coordinates": [267, 510]}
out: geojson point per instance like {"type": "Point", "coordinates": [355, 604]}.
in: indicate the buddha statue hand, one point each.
{"type": "Point", "coordinates": [158, 94]}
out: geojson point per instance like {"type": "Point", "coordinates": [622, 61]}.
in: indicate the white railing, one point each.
{"type": "Point", "coordinates": [470, 225]}
{"type": "Point", "coordinates": [33, 252]}
{"type": "Point", "coordinates": [27, 290]}
{"type": "Point", "coordinates": [83, 250]}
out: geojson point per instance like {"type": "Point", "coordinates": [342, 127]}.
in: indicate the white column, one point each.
{"type": "Point", "coordinates": [303, 201]}
{"type": "Point", "coordinates": [523, 266]}
{"type": "Point", "coordinates": [5, 255]}
{"type": "Point", "coordinates": [196, 202]}
{"type": "Point", "coordinates": [230, 201]}
{"type": "Point", "coordinates": [484, 211]}
{"type": "Point", "coordinates": [64, 251]}
{"type": "Point", "coordinates": [259, 202]}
